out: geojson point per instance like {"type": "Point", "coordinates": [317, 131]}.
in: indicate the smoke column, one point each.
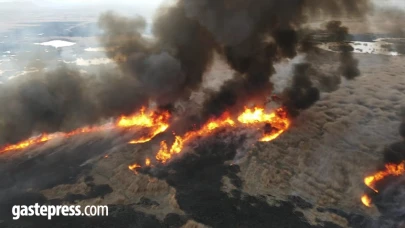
{"type": "Point", "coordinates": [250, 35]}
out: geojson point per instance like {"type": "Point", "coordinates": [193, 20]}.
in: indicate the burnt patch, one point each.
{"type": "Point", "coordinates": [59, 165]}
{"type": "Point", "coordinates": [198, 180]}
{"type": "Point", "coordinates": [146, 202]}
{"type": "Point", "coordinates": [300, 202]}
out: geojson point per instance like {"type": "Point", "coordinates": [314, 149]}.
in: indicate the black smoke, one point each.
{"type": "Point", "coordinates": [395, 153]}
{"type": "Point", "coordinates": [301, 94]}
{"type": "Point", "coordinates": [168, 68]}
{"type": "Point", "coordinates": [260, 34]}
{"type": "Point", "coordinates": [250, 36]}
{"type": "Point", "coordinates": [348, 64]}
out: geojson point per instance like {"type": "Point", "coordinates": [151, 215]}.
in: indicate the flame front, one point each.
{"type": "Point", "coordinates": [143, 119]}
{"type": "Point", "coordinates": [371, 181]}
{"type": "Point", "coordinates": [164, 154]}
{"type": "Point", "coordinates": [161, 127]}
{"type": "Point", "coordinates": [157, 122]}
{"type": "Point", "coordinates": [26, 143]}
{"type": "Point", "coordinates": [390, 170]}
{"type": "Point", "coordinates": [277, 120]}
{"type": "Point", "coordinates": [46, 137]}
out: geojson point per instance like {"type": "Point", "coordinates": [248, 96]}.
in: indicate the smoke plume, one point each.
{"type": "Point", "coordinates": [395, 153]}
{"type": "Point", "coordinates": [267, 32]}
{"type": "Point", "coordinates": [63, 99]}
{"type": "Point", "coordinates": [250, 36]}
{"type": "Point", "coordinates": [302, 94]}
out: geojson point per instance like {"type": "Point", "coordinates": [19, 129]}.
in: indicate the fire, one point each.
{"type": "Point", "coordinates": [156, 130]}
{"type": "Point", "coordinates": [143, 119]}
{"type": "Point", "coordinates": [164, 154]}
{"type": "Point", "coordinates": [371, 181]}
{"type": "Point", "coordinates": [277, 120]}
{"type": "Point", "coordinates": [390, 170]}
{"type": "Point", "coordinates": [134, 167]}
{"type": "Point", "coordinates": [47, 137]}
{"type": "Point", "coordinates": [157, 122]}
{"type": "Point", "coordinates": [366, 200]}
{"type": "Point", "coordinates": [29, 142]}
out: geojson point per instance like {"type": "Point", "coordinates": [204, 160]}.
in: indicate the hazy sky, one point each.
{"type": "Point", "coordinates": [15, 10]}
{"type": "Point", "coordinates": [140, 4]}
{"type": "Point", "coordinates": [92, 8]}
{"type": "Point", "coordinates": [398, 3]}
{"type": "Point", "coordinates": [148, 4]}
{"type": "Point", "coordinates": [155, 2]}
{"type": "Point", "coordinates": [87, 2]}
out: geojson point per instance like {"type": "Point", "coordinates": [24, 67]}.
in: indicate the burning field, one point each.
{"type": "Point", "coordinates": [272, 125]}
{"type": "Point", "coordinates": [230, 116]}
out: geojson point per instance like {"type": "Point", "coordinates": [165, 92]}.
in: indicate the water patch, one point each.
{"type": "Point", "coordinates": [377, 47]}
{"type": "Point", "coordinates": [57, 43]}
{"type": "Point", "coordinates": [96, 49]}
{"type": "Point", "coordinates": [90, 62]}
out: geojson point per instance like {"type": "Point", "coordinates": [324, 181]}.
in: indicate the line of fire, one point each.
{"type": "Point", "coordinates": [272, 125]}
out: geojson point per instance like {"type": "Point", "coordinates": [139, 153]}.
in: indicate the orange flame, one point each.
{"type": "Point", "coordinates": [134, 167]}
{"type": "Point", "coordinates": [143, 119]}
{"type": "Point", "coordinates": [371, 181]}
{"type": "Point", "coordinates": [147, 162]}
{"type": "Point", "coordinates": [278, 120]}
{"type": "Point", "coordinates": [161, 127]}
{"type": "Point", "coordinates": [164, 154]}
{"type": "Point", "coordinates": [157, 123]}
{"type": "Point", "coordinates": [366, 200]}
{"type": "Point", "coordinates": [28, 142]}
{"type": "Point", "coordinates": [46, 137]}
{"type": "Point", "coordinates": [390, 170]}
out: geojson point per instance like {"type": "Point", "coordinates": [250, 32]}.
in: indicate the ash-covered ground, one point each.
{"type": "Point", "coordinates": [310, 176]}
